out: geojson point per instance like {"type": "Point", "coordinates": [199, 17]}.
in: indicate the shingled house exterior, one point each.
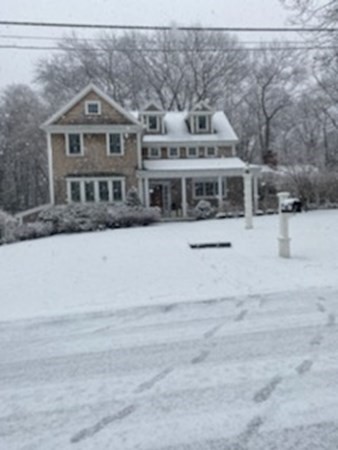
{"type": "Point", "coordinates": [97, 151]}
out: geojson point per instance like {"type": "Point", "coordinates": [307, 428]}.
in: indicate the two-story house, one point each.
{"type": "Point", "coordinates": [97, 150]}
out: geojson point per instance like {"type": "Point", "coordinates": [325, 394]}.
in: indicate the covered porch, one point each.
{"type": "Point", "coordinates": [176, 186]}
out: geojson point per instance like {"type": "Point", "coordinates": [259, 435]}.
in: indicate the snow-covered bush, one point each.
{"type": "Point", "coordinates": [33, 230]}
{"type": "Point", "coordinates": [203, 210]}
{"type": "Point", "coordinates": [8, 226]}
{"type": "Point", "coordinates": [76, 218]}
{"type": "Point", "coordinates": [132, 197]}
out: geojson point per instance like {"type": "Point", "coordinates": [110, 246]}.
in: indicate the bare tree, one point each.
{"type": "Point", "coordinates": [23, 175]}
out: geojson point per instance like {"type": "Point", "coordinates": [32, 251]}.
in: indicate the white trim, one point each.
{"type": "Point", "coordinates": [139, 150]}
{"type": "Point", "coordinates": [96, 180]}
{"type": "Point", "coordinates": [158, 123]}
{"type": "Point", "coordinates": [93, 129]}
{"type": "Point", "coordinates": [108, 144]}
{"type": "Point", "coordinates": [50, 169]}
{"type": "Point", "coordinates": [79, 97]}
{"type": "Point", "coordinates": [74, 155]}
{"type": "Point", "coordinates": [158, 156]}
{"type": "Point", "coordinates": [178, 152]}
{"type": "Point", "coordinates": [93, 102]}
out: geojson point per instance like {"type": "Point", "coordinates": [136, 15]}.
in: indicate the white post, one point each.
{"type": "Point", "coordinates": [184, 197]}
{"type": "Point", "coordinates": [283, 238]}
{"type": "Point", "coordinates": [248, 198]}
{"type": "Point", "coordinates": [256, 196]}
{"type": "Point", "coordinates": [140, 190]}
{"type": "Point", "coordinates": [146, 192]}
{"type": "Point", "coordinates": [220, 194]}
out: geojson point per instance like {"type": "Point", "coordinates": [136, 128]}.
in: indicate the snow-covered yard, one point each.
{"type": "Point", "coordinates": [142, 266]}
{"type": "Point", "coordinates": [131, 340]}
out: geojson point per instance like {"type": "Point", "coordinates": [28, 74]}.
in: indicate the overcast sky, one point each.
{"type": "Point", "coordinates": [18, 65]}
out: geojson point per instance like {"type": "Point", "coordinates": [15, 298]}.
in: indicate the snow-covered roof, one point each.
{"type": "Point", "coordinates": [177, 130]}
{"type": "Point", "coordinates": [198, 165]}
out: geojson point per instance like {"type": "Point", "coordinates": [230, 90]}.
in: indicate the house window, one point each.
{"type": "Point", "coordinates": [192, 152]}
{"type": "Point", "coordinates": [89, 190]}
{"type": "Point", "coordinates": [75, 191]}
{"type": "Point", "coordinates": [154, 152]}
{"type": "Point", "coordinates": [115, 144]}
{"type": "Point", "coordinates": [205, 188]}
{"type": "Point", "coordinates": [153, 123]}
{"type": "Point", "coordinates": [117, 191]}
{"type": "Point", "coordinates": [103, 191]}
{"type": "Point", "coordinates": [210, 152]}
{"type": "Point", "coordinates": [202, 123]}
{"type": "Point", "coordinates": [93, 108]}
{"type": "Point", "coordinates": [74, 144]}
{"type": "Point", "coordinates": [173, 152]}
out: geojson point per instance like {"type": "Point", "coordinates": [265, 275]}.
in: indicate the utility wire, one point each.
{"type": "Point", "coordinates": [169, 50]}
{"type": "Point", "coordinates": [168, 28]}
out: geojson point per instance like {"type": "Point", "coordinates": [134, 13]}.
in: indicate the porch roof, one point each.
{"type": "Point", "coordinates": [177, 168]}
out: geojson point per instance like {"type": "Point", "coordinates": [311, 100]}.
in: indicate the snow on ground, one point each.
{"type": "Point", "coordinates": [131, 340]}
{"type": "Point", "coordinates": [146, 266]}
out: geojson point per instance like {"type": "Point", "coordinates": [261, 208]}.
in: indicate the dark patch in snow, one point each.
{"type": "Point", "coordinates": [304, 367]}
{"type": "Point", "coordinates": [321, 308]}
{"type": "Point", "coordinates": [149, 384]}
{"type": "Point", "coordinates": [168, 308]}
{"type": "Point", "coordinates": [211, 333]}
{"type": "Point", "coordinates": [331, 320]}
{"type": "Point", "coordinates": [264, 394]}
{"type": "Point", "coordinates": [200, 358]}
{"type": "Point", "coordinates": [317, 340]}
{"type": "Point", "coordinates": [241, 316]}
{"type": "Point", "coordinates": [91, 431]}
{"type": "Point", "coordinates": [240, 304]}
{"type": "Point", "coordinates": [252, 428]}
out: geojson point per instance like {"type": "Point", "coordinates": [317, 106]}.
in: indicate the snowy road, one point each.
{"type": "Point", "coordinates": [249, 373]}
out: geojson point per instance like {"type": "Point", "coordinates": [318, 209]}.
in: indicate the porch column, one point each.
{"type": "Point", "coordinates": [140, 190]}
{"type": "Point", "coordinates": [146, 193]}
{"type": "Point", "coordinates": [184, 197]}
{"type": "Point", "coordinates": [220, 194]}
{"type": "Point", "coordinates": [255, 195]}
{"type": "Point", "coordinates": [248, 198]}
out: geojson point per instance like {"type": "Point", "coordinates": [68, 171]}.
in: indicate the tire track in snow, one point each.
{"type": "Point", "coordinates": [89, 432]}
{"type": "Point", "coordinates": [265, 393]}
{"type": "Point", "coordinates": [157, 378]}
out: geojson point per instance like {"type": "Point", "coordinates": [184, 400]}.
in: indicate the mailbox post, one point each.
{"type": "Point", "coordinates": [287, 207]}
{"type": "Point", "coordinates": [248, 198]}
{"type": "Point", "coordinates": [283, 238]}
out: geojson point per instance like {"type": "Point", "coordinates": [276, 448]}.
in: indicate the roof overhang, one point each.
{"type": "Point", "coordinates": [92, 129]}
{"type": "Point", "coordinates": [195, 168]}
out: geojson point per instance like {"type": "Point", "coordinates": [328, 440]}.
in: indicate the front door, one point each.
{"type": "Point", "coordinates": [160, 196]}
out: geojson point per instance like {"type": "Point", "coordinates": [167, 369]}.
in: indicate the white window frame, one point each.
{"type": "Point", "coordinates": [108, 144]}
{"type": "Point", "coordinates": [158, 124]}
{"type": "Point", "coordinates": [204, 181]}
{"type": "Point", "coordinates": [74, 155]}
{"type": "Point", "coordinates": [198, 128]}
{"type": "Point", "coordinates": [158, 153]}
{"type": "Point", "coordinates": [196, 152]}
{"type": "Point", "coordinates": [173, 156]}
{"type": "Point", "coordinates": [82, 181]}
{"type": "Point", "coordinates": [92, 102]}
{"type": "Point", "coordinates": [206, 151]}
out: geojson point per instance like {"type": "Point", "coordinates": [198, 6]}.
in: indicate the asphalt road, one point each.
{"type": "Point", "coordinates": [236, 373]}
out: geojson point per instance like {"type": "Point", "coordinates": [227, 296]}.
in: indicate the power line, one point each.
{"type": "Point", "coordinates": [168, 28]}
{"type": "Point", "coordinates": [169, 50]}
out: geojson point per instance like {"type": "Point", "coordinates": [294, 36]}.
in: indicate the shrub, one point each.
{"type": "Point", "coordinates": [203, 210]}
{"type": "Point", "coordinates": [8, 225]}
{"type": "Point", "coordinates": [132, 197]}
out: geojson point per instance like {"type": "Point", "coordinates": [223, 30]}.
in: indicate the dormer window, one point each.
{"type": "Point", "coordinates": [153, 123]}
{"type": "Point", "coordinates": [93, 108]}
{"type": "Point", "coordinates": [202, 123]}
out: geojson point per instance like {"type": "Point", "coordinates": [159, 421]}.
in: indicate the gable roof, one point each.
{"type": "Point", "coordinates": [90, 88]}
{"type": "Point", "coordinates": [202, 106]}
{"type": "Point", "coordinates": [152, 107]}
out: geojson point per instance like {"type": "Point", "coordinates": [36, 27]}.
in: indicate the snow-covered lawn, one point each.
{"type": "Point", "coordinates": [152, 265]}
{"type": "Point", "coordinates": [116, 351]}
